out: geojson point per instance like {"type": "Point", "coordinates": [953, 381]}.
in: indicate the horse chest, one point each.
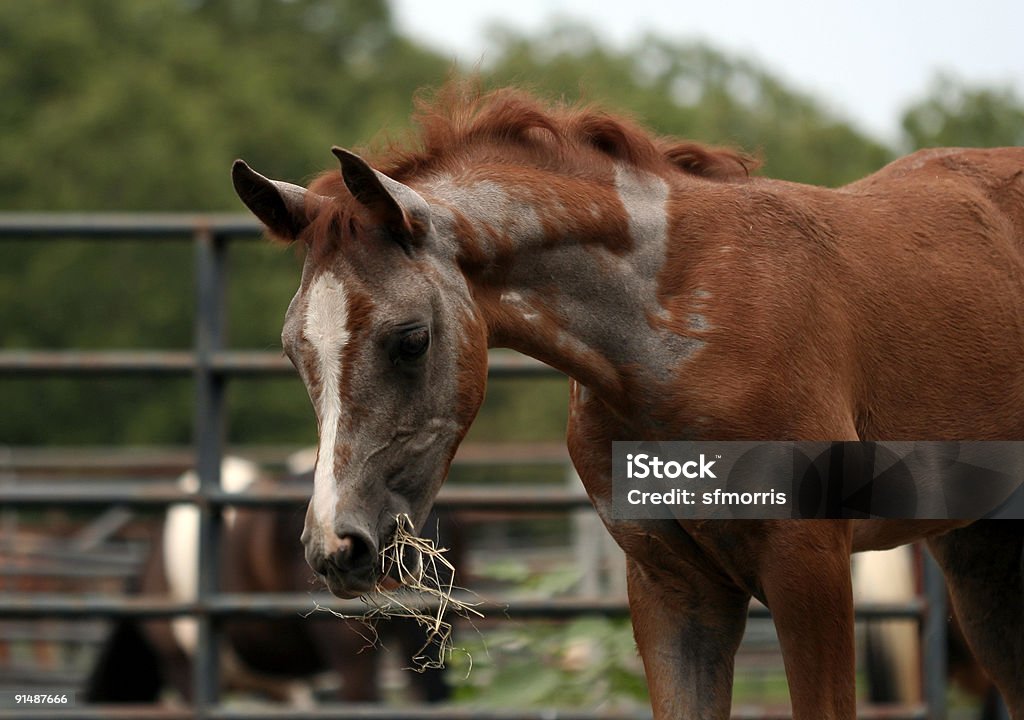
{"type": "Point", "coordinates": [674, 551]}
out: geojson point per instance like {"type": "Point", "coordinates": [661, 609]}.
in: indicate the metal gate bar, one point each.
{"type": "Point", "coordinates": [101, 493]}
{"type": "Point", "coordinates": [38, 605]}
{"type": "Point", "coordinates": [210, 421]}
{"type": "Point", "coordinates": [182, 363]}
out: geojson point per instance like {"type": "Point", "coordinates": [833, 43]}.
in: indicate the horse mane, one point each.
{"type": "Point", "coordinates": [460, 122]}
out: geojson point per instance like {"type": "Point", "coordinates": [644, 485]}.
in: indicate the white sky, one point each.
{"type": "Point", "coordinates": [866, 59]}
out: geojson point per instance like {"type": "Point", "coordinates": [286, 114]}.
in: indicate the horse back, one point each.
{"type": "Point", "coordinates": [986, 176]}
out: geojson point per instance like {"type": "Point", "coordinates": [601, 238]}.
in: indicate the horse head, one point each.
{"type": "Point", "coordinates": [385, 336]}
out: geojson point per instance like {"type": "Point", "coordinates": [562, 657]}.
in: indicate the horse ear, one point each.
{"type": "Point", "coordinates": [399, 208]}
{"type": "Point", "coordinates": [284, 208]}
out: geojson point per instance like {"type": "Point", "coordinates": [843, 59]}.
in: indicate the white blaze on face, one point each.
{"type": "Point", "coordinates": [325, 329]}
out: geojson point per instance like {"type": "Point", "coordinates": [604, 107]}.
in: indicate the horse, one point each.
{"type": "Point", "coordinates": [275, 658]}
{"type": "Point", "coordinates": [685, 299]}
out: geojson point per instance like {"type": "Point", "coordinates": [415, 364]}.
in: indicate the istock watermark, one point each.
{"type": "Point", "coordinates": [643, 465]}
{"type": "Point", "coordinates": [790, 480]}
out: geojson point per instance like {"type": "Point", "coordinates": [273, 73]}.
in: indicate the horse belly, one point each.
{"type": "Point", "coordinates": [886, 534]}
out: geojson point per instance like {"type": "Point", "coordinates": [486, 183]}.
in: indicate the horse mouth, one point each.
{"type": "Point", "coordinates": [389, 576]}
{"type": "Point", "coordinates": [400, 563]}
{"type": "Point", "coordinates": [352, 588]}
{"type": "Point", "coordinates": [348, 588]}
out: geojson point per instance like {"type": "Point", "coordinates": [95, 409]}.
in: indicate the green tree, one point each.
{"type": "Point", "coordinates": [956, 115]}
{"type": "Point", "coordinates": [123, 105]}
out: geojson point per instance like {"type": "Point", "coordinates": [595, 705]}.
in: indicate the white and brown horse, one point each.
{"type": "Point", "coordinates": [685, 299]}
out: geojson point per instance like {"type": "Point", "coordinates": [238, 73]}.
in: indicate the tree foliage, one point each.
{"type": "Point", "coordinates": [120, 105]}
{"type": "Point", "coordinates": [954, 114]}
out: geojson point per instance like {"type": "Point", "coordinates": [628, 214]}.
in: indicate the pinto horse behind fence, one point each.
{"type": "Point", "coordinates": [685, 299]}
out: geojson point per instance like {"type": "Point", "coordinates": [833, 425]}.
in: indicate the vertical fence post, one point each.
{"type": "Point", "coordinates": [934, 645]}
{"type": "Point", "coordinates": [209, 440]}
{"type": "Point", "coordinates": [587, 546]}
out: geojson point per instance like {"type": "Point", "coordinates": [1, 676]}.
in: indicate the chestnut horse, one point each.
{"type": "Point", "coordinates": [684, 299]}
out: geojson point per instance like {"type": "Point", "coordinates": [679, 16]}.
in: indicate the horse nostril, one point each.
{"type": "Point", "coordinates": [352, 552]}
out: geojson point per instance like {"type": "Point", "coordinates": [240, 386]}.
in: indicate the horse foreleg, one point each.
{"type": "Point", "coordinates": [805, 578]}
{"type": "Point", "coordinates": [687, 633]}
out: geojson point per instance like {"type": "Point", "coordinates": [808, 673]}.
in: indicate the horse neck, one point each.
{"type": "Point", "coordinates": [565, 269]}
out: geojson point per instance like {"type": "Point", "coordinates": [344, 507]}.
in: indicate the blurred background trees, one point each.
{"type": "Point", "coordinates": [954, 114]}
{"type": "Point", "coordinates": [119, 105]}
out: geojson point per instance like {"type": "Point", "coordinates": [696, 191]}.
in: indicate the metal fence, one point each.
{"type": "Point", "coordinates": [212, 365]}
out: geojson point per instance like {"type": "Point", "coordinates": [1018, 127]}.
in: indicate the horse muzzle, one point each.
{"type": "Point", "coordinates": [350, 564]}
{"type": "Point", "coordinates": [347, 561]}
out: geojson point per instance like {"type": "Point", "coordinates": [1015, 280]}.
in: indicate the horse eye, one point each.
{"type": "Point", "coordinates": [413, 344]}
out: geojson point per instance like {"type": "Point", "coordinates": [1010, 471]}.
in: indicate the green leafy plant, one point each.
{"type": "Point", "coordinates": [590, 661]}
{"type": "Point", "coordinates": [587, 662]}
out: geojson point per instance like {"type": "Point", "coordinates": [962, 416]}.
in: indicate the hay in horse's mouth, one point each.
{"type": "Point", "coordinates": [426, 579]}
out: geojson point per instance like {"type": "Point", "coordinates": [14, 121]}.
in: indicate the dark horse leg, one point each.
{"type": "Point", "coordinates": [984, 567]}
{"type": "Point", "coordinates": [128, 669]}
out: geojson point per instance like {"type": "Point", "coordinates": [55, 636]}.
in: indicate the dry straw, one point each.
{"type": "Point", "coordinates": [430, 580]}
